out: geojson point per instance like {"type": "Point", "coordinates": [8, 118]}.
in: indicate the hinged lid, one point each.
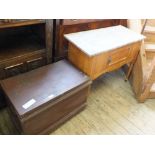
{"type": "Point", "coordinates": [31, 90]}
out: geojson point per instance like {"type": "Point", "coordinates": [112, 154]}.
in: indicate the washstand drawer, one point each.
{"type": "Point", "coordinates": [118, 57]}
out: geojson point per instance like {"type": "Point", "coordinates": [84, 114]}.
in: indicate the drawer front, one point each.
{"type": "Point", "coordinates": [110, 61]}
{"type": "Point", "coordinates": [14, 69]}
{"type": "Point", "coordinates": [35, 63]}
{"type": "Point", "coordinates": [17, 66]}
{"type": "Point", "coordinates": [119, 56]}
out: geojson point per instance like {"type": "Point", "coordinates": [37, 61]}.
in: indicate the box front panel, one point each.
{"type": "Point", "coordinates": [51, 115]}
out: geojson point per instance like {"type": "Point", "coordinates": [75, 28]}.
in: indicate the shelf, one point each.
{"type": "Point", "coordinates": [15, 46]}
{"type": "Point", "coordinates": [24, 22]}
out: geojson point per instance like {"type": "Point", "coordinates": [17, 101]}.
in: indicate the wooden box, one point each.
{"type": "Point", "coordinates": [43, 98]}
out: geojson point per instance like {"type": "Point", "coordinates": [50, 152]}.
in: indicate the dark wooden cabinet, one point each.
{"type": "Point", "coordinates": [24, 45]}
{"type": "Point", "coordinates": [64, 26]}
{"type": "Point", "coordinates": [6, 23]}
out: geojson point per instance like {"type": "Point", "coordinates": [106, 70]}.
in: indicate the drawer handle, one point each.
{"type": "Point", "coordinates": [37, 59]}
{"type": "Point", "coordinates": [13, 66]}
{"type": "Point", "coordinates": [109, 60]}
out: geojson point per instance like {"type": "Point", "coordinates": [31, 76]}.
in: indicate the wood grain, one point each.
{"type": "Point", "coordinates": [143, 73]}
{"type": "Point", "coordinates": [105, 62]}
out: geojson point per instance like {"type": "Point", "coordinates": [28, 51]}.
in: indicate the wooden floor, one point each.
{"type": "Point", "coordinates": [111, 109]}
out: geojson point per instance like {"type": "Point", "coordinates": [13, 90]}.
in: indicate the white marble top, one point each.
{"type": "Point", "coordinates": [101, 40]}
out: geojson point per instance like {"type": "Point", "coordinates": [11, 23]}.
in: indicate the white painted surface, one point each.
{"type": "Point", "coordinates": [96, 41]}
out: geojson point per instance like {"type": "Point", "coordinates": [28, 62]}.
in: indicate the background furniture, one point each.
{"type": "Point", "coordinates": [24, 45]}
{"type": "Point", "coordinates": [44, 98]}
{"type": "Point", "coordinates": [103, 50]}
{"type": "Point", "coordinates": [143, 73]}
{"type": "Point", "coordinates": [65, 26]}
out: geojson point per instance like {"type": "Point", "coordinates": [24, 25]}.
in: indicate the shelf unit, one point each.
{"type": "Point", "coordinates": [4, 23]}
{"type": "Point", "coordinates": [24, 45]}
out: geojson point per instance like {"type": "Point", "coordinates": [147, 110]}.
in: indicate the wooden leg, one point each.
{"type": "Point", "coordinates": [129, 72]}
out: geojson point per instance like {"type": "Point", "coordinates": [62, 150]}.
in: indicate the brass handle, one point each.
{"type": "Point", "coordinates": [37, 59]}
{"type": "Point", "coordinates": [109, 60]}
{"type": "Point", "coordinates": [9, 67]}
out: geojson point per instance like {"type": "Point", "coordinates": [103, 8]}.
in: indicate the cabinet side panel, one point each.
{"type": "Point", "coordinates": [80, 60]}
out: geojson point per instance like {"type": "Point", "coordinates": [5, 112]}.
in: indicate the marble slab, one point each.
{"type": "Point", "coordinates": [93, 42]}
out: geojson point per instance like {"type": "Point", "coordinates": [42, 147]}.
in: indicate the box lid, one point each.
{"type": "Point", "coordinates": [31, 90]}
